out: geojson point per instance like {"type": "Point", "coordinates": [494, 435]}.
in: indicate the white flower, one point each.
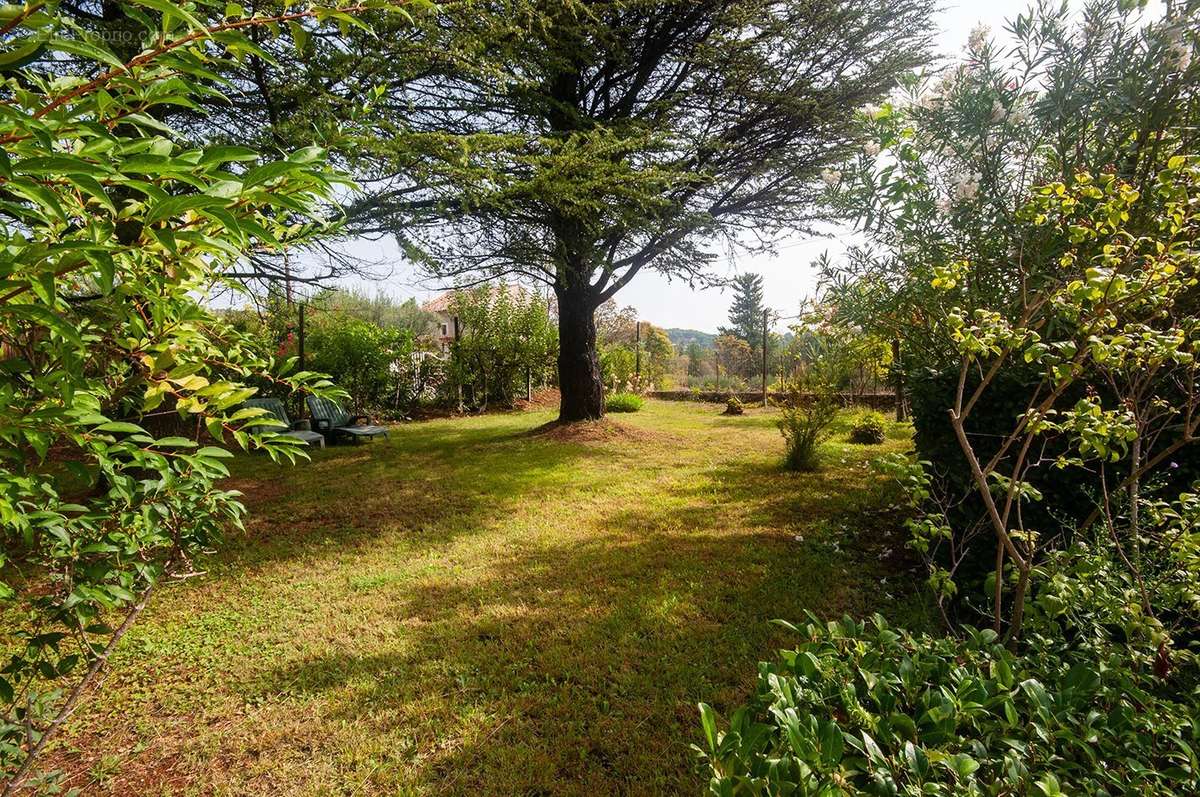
{"type": "Point", "coordinates": [832, 177]}
{"type": "Point", "coordinates": [966, 186]}
{"type": "Point", "coordinates": [929, 100]}
{"type": "Point", "coordinates": [952, 77]}
{"type": "Point", "coordinates": [943, 205]}
{"type": "Point", "coordinates": [978, 38]}
{"type": "Point", "coordinates": [1179, 49]}
{"type": "Point", "coordinates": [1181, 55]}
{"type": "Point", "coordinates": [871, 110]}
{"type": "Point", "coordinates": [1019, 116]}
{"type": "Point", "coordinates": [871, 148]}
{"type": "Point", "coordinates": [1183, 58]}
{"type": "Point", "coordinates": [998, 111]}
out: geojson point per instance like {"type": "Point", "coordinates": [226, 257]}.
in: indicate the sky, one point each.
{"type": "Point", "coordinates": [788, 276]}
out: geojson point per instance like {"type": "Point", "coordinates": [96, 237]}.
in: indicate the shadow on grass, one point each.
{"type": "Point", "coordinates": [414, 483]}
{"type": "Point", "coordinates": [624, 581]}
{"type": "Point", "coordinates": [582, 663]}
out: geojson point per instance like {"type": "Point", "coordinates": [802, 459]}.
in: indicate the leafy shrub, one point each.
{"type": "Point", "coordinates": [108, 266]}
{"type": "Point", "coordinates": [507, 342]}
{"type": "Point", "coordinates": [1052, 338]}
{"type": "Point", "coordinates": [618, 363]}
{"type": "Point", "coordinates": [623, 402]}
{"type": "Point", "coordinates": [804, 425]}
{"type": "Point", "coordinates": [868, 429]}
{"type": "Point", "coordinates": [733, 406]}
{"type": "Point", "coordinates": [358, 356]}
{"type": "Point", "coordinates": [810, 399]}
{"type": "Point", "coordinates": [861, 708]}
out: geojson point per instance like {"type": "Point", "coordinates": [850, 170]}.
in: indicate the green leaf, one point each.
{"type": "Point", "coordinates": [299, 36]}
{"type": "Point", "coordinates": [87, 50]}
{"type": "Point", "coordinates": [91, 187]}
{"type": "Point", "coordinates": [708, 719]}
{"type": "Point", "coordinates": [178, 205]}
{"type": "Point", "coordinates": [120, 426]}
{"type": "Point", "coordinates": [171, 10]}
{"type": "Point", "coordinates": [831, 743]}
{"type": "Point", "coordinates": [267, 172]}
{"type": "Point", "coordinates": [918, 763]}
{"type": "Point", "coordinates": [212, 451]}
{"type": "Point", "coordinates": [20, 52]}
{"type": "Point", "coordinates": [174, 442]}
{"type": "Point", "coordinates": [963, 765]}
{"type": "Point", "coordinates": [1048, 785]}
{"type": "Point", "coordinates": [45, 317]}
{"type": "Point", "coordinates": [227, 154]}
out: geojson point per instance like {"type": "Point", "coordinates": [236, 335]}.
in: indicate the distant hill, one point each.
{"type": "Point", "coordinates": [682, 337]}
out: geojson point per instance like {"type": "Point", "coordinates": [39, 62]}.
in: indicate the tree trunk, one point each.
{"type": "Point", "coordinates": [578, 365]}
{"type": "Point", "coordinates": [901, 407]}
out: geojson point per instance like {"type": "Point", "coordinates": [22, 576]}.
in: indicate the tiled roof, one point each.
{"type": "Point", "coordinates": [441, 303]}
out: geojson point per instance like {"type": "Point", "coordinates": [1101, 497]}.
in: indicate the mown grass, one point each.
{"type": "Point", "coordinates": [469, 608]}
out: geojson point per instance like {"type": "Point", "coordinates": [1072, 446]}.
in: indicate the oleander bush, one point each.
{"type": "Point", "coordinates": [1037, 262]}
{"type": "Point", "coordinates": [623, 402]}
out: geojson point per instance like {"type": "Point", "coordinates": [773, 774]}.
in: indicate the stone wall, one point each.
{"type": "Point", "coordinates": [878, 401]}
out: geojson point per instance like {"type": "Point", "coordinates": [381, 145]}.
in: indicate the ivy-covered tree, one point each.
{"type": "Point", "coordinates": [602, 138]}
{"type": "Point", "coordinates": [114, 231]}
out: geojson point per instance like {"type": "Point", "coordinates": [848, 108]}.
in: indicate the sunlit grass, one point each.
{"type": "Point", "coordinates": [467, 608]}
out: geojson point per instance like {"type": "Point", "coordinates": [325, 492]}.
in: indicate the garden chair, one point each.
{"type": "Point", "coordinates": [299, 429]}
{"type": "Point", "coordinates": [331, 419]}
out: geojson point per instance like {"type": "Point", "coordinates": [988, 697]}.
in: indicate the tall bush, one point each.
{"type": "Point", "coordinates": [1032, 324]}
{"type": "Point", "coordinates": [618, 365]}
{"type": "Point", "coordinates": [508, 342]}
{"type": "Point", "coordinates": [1034, 221]}
{"type": "Point", "coordinates": [114, 232]}
{"type": "Point", "coordinates": [360, 357]}
{"type": "Point", "coordinates": [810, 399]}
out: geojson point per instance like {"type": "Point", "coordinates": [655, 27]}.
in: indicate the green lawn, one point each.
{"type": "Point", "coordinates": [467, 608]}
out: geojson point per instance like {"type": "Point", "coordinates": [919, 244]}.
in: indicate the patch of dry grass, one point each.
{"type": "Point", "coordinates": [469, 608]}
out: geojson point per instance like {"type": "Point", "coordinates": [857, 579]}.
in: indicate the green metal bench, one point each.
{"type": "Point", "coordinates": [275, 409]}
{"type": "Point", "coordinates": [331, 419]}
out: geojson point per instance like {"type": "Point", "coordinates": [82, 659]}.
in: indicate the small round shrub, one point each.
{"type": "Point", "coordinates": [733, 406]}
{"type": "Point", "coordinates": [868, 429]}
{"type": "Point", "coordinates": [623, 402]}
